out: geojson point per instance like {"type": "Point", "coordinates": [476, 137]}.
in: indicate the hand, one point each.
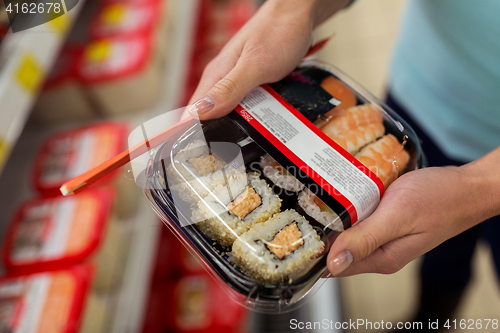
{"type": "Point", "coordinates": [419, 211]}
{"type": "Point", "coordinates": [265, 50]}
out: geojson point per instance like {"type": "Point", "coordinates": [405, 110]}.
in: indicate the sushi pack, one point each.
{"type": "Point", "coordinates": [260, 195]}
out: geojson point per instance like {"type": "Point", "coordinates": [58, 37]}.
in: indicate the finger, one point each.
{"type": "Point", "coordinates": [389, 258]}
{"type": "Point", "coordinates": [219, 67]}
{"type": "Point", "coordinates": [360, 241]}
{"type": "Point", "coordinates": [225, 95]}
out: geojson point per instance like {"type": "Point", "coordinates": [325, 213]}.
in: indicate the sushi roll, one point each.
{"type": "Point", "coordinates": [319, 211]}
{"type": "Point", "coordinates": [232, 209]}
{"type": "Point", "coordinates": [195, 171]}
{"type": "Point", "coordinates": [278, 175]}
{"type": "Point", "coordinates": [279, 250]}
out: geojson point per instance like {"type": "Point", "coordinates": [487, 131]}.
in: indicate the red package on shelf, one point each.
{"type": "Point", "coordinates": [154, 321]}
{"type": "Point", "coordinates": [124, 17]}
{"type": "Point", "coordinates": [70, 153]}
{"type": "Point", "coordinates": [198, 305]}
{"type": "Point", "coordinates": [165, 256]}
{"type": "Point", "coordinates": [56, 301]}
{"type": "Point", "coordinates": [58, 232]}
{"type": "Point", "coordinates": [122, 74]}
{"type": "Point", "coordinates": [185, 262]}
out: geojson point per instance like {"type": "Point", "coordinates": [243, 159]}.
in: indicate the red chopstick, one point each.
{"type": "Point", "coordinates": [318, 46]}
{"type": "Point", "coordinates": [90, 177]}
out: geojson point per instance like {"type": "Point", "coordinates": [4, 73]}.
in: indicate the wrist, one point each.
{"type": "Point", "coordinates": [484, 183]}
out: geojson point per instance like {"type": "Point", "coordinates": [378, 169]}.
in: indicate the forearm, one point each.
{"type": "Point", "coordinates": [483, 178]}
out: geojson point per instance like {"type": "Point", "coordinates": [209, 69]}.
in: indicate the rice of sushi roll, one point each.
{"type": "Point", "coordinates": [279, 175]}
{"type": "Point", "coordinates": [232, 209]}
{"type": "Point", "coordinates": [195, 171]}
{"type": "Point", "coordinates": [278, 250]}
{"type": "Point", "coordinates": [319, 211]}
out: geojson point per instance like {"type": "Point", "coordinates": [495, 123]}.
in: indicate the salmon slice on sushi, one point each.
{"type": "Point", "coordinates": [195, 171]}
{"type": "Point", "coordinates": [232, 209]}
{"type": "Point", "coordinates": [279, 250]}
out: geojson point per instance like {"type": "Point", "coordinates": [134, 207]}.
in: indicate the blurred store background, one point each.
{"type": "Point", "coordinates": [70, 91]}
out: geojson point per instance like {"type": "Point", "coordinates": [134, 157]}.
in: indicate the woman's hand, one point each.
{"type": "Point", "coordinates": [419, 211]}
{"type": "Point", "coordinates": [265, 50]}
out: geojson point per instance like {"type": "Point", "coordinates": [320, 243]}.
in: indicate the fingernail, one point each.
{"type": "Point", "coordinates": [343, 260]}
{"type": "Point", "coordinates": [202, 106]}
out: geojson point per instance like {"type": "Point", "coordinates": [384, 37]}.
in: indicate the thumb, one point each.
{"type": "Point", "coordinates": [358, 242]}
{"type": "Point", "coordinates": [225, 95]}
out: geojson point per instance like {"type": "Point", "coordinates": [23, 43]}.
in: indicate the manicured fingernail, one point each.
{"type": "Point", "coordinates": [343, 260]}
{"type": "Point", "coordinates": [202, 106]}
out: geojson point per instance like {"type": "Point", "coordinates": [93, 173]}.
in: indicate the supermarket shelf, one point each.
{"type": "Point", "coordinates": [131, 304]}
{"type": "Point", "coordinates": [128, 303]}
{"type": "Point", "coordinates": [25, 59]}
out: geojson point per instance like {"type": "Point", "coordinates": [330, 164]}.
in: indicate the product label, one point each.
{"type": "Point", "coordinates": [192, 309]}
{"type": "Point", "coordinates": [125, 18]}
{"type": "Point", "coordinates": [37, 304]}
{"type": "Point", "coordinates": [106, 58]}
{"type": "Point", "coordinates": [55, 229]}
{"type": "Point", "coordinates": [330, 166]}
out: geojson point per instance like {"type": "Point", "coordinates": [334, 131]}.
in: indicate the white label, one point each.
{"type": "Point", "coordinates": [52, 220]}
{"type": "Point", "coordinates": [86, 146]}
{"type": "Point", "coordinates": [55, 244]}
{"type": "Point", "coordinates": [335, 169]}
{"type": "Point", "coordinates": [34, 301]}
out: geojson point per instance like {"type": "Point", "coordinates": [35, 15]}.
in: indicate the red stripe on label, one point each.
{"type": "Point", "coordinates": [296, 160]}
{"type": "Point", "coordinates": [327, 139]}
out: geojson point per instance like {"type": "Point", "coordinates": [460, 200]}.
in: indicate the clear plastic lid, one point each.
{"type": "Point", "coordinates": [261, 194]}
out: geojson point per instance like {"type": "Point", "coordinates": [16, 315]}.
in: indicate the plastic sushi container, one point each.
{"type": "Point", "coordinates": [52, 301]}
{"type": "Point", "coordinates": [260, 195]}
{"type": "Point", "coordinates": [54, 233]}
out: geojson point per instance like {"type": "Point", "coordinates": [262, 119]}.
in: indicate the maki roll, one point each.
{"type": "Point", "coordinates": [195, 171]}
{"type": "Point", "coordinates": [232, 209]}
{"type": "Point", "coordinates": [279, 250]}
{"type": "Point", "coordinates": [318, 211]}
{"type": "Point", "coordinates": [278, 175]}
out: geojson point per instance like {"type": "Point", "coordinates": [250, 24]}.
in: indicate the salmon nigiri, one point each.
{"type": "Point", "coordinates": [354, 140]}
{"type": "Point", "coordinates": [352, 119]}
{"type": "Point", "coordinates": [385, 157]}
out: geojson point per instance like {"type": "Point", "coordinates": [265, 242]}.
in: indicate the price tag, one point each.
{"type": "Point", "coordinates": [3, 151]}
{"type": "Point", "coordinates": [60, 24]}
{"type": "Point", "coordinates": [98, 51]}
{"type": "Point", "coordinates": [29, 73]}
{"type": "Point", "coordinates": [114, 14]}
